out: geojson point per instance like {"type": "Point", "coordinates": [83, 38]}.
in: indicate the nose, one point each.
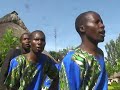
{"type": "Point", "coordinates": [27, 40]}
{"type": "Point", "coordinates": [101, 25]}
{"type": "Point", "coordinates": [39, 42]}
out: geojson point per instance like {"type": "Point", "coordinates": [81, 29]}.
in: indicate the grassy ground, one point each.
{"type": "Point", "coordinates": [114, 86]}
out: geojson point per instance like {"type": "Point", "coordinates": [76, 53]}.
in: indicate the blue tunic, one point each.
{"type": "Point", "coordinates": [25, 75]}
{"type": "Point", "coordinates": [82, 71]}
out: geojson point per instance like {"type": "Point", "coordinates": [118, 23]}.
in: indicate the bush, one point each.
{"type": "Point", "coordinates": [114, 86]}
{"type": "Point", "coordinates": [6, 42]}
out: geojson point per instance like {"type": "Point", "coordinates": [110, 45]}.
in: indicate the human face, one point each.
{"type": "Point", "coordinates": [25, 41]}
{"type": "Point", "coordinates": [94, 28]}
{"type": "Point", "coordinates": [38, 42]}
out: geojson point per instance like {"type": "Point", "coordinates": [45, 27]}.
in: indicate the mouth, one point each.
{"type": "Point", "coordinates": [28, 45]}
{"type": "Point", "coordinates": [39, 48]}
{"type": "Point", "coordinates": [102, 33]}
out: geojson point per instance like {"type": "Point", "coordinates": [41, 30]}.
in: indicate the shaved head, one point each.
{"type": "Point", "coordinates": [21, 38]}
{"type": "Point", "coordinates": [36, 31]}
{"type": "Point", "coordinates": [37, 41]}
{"type": "Point", "coordinates": [82, 19]}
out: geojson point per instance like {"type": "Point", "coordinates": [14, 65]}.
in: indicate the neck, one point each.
{"type": "Point", "coordinates": [25, 50]}
{"type": "Point", "coordinates": [34, 57]}
{"type": "Point", "coordinates": [89, 47]}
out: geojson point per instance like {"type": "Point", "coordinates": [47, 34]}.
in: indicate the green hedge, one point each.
{"type": "Point", "coordinates": [114, 86]}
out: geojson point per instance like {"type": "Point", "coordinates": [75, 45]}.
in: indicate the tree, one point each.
{"type": "Point", "coordinates": [54, 54]}
{"type": "Point", "coordinates": [6, 42]}
{"type": "Point", "coordinates": [113, 56]}
{"type": "Point", "coordinates": [66, 50]}
{"type": "Point", "coordinates": [113, 50]}
{"type": "Point", "coordinates": [60, 54]}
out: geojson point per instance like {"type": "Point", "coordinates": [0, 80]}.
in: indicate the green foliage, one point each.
{"type": "Point", "coordinates": [113, 56]}
{"type": "Point", "coordinates": [114, 86]}
{"type": "Point", "coordinates": [54, 54]}
{"type": "Point", "coordinates": [6, 42]}
{"type": "Point", "coordinates": [109, 69]}
{"type": "Point", "coordinates": [65, 51]}
{"type": "Point", "coordinates": [59, 55]}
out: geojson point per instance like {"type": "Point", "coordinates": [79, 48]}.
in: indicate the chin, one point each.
{"type": "Point", "coordinates": [40, 51]}
{"type": "Point", "coordinates": [102, 40]}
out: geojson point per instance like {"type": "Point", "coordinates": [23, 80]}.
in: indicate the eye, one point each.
{"type": "Point", "coordinates": [36, 39]}
{"type": "Point", "coordinates": [97, 21]}
{"type": "Point", "coordinates": [43, 40]}
{"type": "Point", "coordinates": [24, 39]}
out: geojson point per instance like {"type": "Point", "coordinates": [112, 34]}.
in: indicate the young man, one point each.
{"type": "Point", "coordinates": [25, 48]}
{"type": "Point", "coordinates": [27, 71]}
{"type": "Point", "coordinates": [84, 68]}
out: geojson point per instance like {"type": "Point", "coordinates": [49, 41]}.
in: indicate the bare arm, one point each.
{"type": "Point", "coordinates": [54, 84]}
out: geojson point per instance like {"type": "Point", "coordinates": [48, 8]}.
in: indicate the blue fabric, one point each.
{"type": "Point", "coordinates": [13, 65]}
{"type": "Point", "coordinates": [73, 73]}
{"type": "Point", "coordinates": [47, 81]}
{"type": "Point", "coordinates": [102, 83]}
{"type": "Point", "coordinates": [37, 81]}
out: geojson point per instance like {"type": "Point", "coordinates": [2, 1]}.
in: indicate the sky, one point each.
{"type": "Point", "coordinates": [56, 18]}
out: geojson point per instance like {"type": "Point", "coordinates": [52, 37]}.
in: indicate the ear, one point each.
{"type": "Point", "coordinates": [82, 28]}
